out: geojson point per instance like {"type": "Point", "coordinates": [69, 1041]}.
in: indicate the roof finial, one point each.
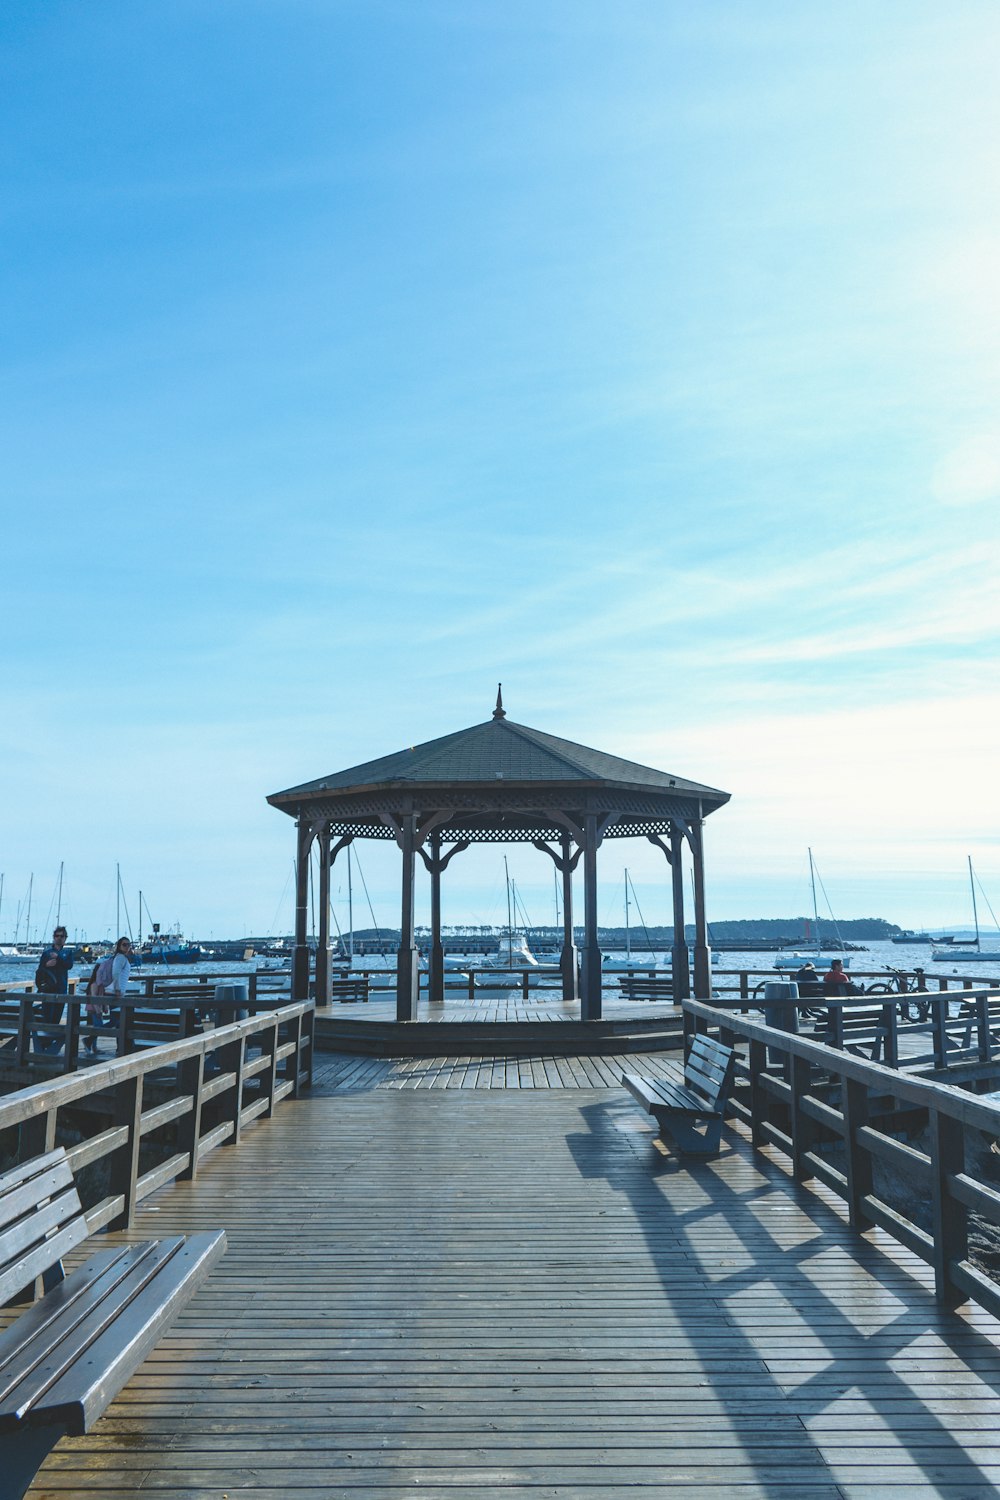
{"type": "Point", "coordinates": [499, 712]}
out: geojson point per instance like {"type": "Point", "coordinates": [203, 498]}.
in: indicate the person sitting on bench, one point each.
{"type": "Point", "coordinates": [836, 982]}
{"type": "Point", "coordinates": [808, 982]}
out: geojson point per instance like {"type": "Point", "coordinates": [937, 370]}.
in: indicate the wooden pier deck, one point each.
{"type": "Point", "coordinates": [442, 1289]}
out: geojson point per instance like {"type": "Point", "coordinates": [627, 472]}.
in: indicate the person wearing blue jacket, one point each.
{"type": "Point", "coordinates": [57, 960]}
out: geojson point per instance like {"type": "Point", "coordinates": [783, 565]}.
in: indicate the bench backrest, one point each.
{"type": "Point", "coordinates": [708, 1070]}
{"type": "Point", "coordinates": [41, 1218]}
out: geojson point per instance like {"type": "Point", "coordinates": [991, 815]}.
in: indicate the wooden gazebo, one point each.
{"type": "Point", "coordinates": [495, 783]}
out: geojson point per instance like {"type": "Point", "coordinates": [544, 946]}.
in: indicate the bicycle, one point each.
{"type": "Point", "coordinates": [900, 984]}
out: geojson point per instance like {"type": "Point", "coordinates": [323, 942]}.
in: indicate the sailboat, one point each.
{"type": "Point", "coordinates": [796, 960]}
{"type": "Point", "coordinates": [629, 962]}
{"type": "Point", "coordinates": [512, 949]}
{"type": "Point", "coordinates": [976, 954]}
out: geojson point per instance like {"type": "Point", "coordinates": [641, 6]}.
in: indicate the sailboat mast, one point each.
{"type": "Point", "coordinates": [27, 924]}
{"type": "Point", "coordinates": [59, 897]}
{"type": "Point", "coordinates": [812, 882]}
{"type": "Point", "coordinates": [118, 901]}
{"type": "Point", "coordinates": [510, 924]}
{"type": "Point", "coordinates": [350, 907]}
{"type": "Point", "coordinates": [972, 887]}
{"type": "Point", "coordinates": [628, 935]}
{"type": "Point", "coordinates": [1, 892]}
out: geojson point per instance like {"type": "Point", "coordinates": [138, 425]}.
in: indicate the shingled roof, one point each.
{"type": "Point", "coordinates": [499, 750]}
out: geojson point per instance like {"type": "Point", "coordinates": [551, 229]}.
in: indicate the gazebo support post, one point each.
{"type": "Point", "coordinates": [300, 953]}
{"type": "Point", "coordinates": [569, 961]}
{"type": "Point", "coordinates": [408, 956]}
{"type": "Point", "coordinates": [566, 863]}
{"type": "Point", "coordinates": [679, 951]}
{"type": "Point", "coordinates": [435, 977]}
{"type": "Point", "coordinates": [323, 951]}
{"type": "Point", "coordinates": [590, 998]}
{"type": "Point", "coordinates": [436, 865]}
{"type": "Point", "coordinates": [702, 952]}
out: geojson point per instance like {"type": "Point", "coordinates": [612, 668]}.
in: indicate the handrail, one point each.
{"type": "Point", "coordinates": [70, 1028]}
{"type": "Point", "coordinates": [814, 1100]}
{"type": "Point", "coordinates": [971, 1035]}
{"type": "Point", "coordinates": [214, 1090]}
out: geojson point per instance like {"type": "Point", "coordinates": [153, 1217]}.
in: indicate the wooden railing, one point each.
{"type": "Point", "coordinates": [838, 1118]}
{"type": "Point", "coordinates": [208, 1090]}
{"type": "Point", "coordinates": [25, 1038]}
{"type": "Point", "coordinates": [919, 1030]}
{"type": "Point", "coordinates": [744, 981]}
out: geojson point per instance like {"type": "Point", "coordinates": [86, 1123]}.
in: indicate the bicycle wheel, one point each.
{"type": "Point", "coordinates": [880, 989]}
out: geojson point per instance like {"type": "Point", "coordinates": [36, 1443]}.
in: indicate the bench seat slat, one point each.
{"type": "Point", "coordinates": [668, 1098]}
{"type": "Point", "coordinates": [41, 1362]}
{"type": "Point", "coordinates": [83, 1392]}
{"type": "Point", "coordinates": [43, 1323]}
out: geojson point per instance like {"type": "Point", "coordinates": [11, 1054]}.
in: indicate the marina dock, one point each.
{"type": "Point", "coordinates": [469, 1289]}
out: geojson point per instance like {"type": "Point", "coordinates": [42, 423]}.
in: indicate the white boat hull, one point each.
{"type": "Point", "coordinates": [964, 956]}
{"type": "Point", "coordinates": [819, 960]}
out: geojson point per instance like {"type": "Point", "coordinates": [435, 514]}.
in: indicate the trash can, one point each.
{"type": "Point", "coordinates": [230, 1003]}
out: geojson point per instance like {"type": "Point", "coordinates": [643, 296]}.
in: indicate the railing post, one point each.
{"type": "Point", "coordinates": [71, 1038]}
{"type": "Point", "coordinates": [939, 1016]}
{"type": "Point", "coordinates": [36, 1136]}
{"type": "Point", "coordinates": [191, 1079]}
{"type": "Point", "coordinates": [983, 1027]}
{"type": "Point", "coordinates": [23, 1031]}
{"type": "Point", "coordinates": [949, 1216]}
{"type": "Point", "coordinates": [757, 1063]}
{"type": "Point", "coordinates": [125, 1160]}
{"type": "Point", "coordinates": [744, 985]}
{"type": "Point", "coordinates": [803, 1128]}
{"type": "Point", "coordinates": [858, 1160]}
{"type": "Point", "coordinates": [293, 1062]}
{"type": "Point", "coordinates": [890, 1036]}
{"type": "Point", "coordinates": [835, 1025]}
{"type": "Point", "coordinates": [269, 1046]}
{"type": "Point", "coordinates": [231, 1058]}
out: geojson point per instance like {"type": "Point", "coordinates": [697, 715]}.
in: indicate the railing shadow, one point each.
{"type": "Point", "coordinates": [794, 1278]}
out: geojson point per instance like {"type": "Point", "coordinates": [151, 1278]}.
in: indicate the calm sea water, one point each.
{"type": "Point", "coordinates": [879, 958]}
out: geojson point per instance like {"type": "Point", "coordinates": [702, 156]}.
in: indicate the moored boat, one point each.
{"type": "Point", "coordinates": [974, 954]}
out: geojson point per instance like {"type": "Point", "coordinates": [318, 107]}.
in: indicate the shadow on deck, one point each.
{"type": "Point", "coordinates": [461, 1292]}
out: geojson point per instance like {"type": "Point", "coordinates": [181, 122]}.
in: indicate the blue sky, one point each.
{"type": "Point", "coordinates": [358, 356]}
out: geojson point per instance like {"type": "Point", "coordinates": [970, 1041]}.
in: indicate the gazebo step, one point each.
{"type": "Point", "coordinates": [496, 1038]}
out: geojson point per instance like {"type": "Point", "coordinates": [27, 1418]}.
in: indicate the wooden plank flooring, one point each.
{"type": "Point", "coordinates": [541, 1005]}
{"type": "Point", "coordinates": [346, 1071]}
{"type": "Point", "coordinates": [442, 1289]}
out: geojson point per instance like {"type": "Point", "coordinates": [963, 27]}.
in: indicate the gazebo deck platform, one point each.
{"type": "Point", "coordinates": [542, 1025]}
{"type": "Point", "coordinates": [461, 1292]}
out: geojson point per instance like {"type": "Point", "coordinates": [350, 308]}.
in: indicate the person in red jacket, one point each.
{"type": "Point", "coordinates": [836, 982]}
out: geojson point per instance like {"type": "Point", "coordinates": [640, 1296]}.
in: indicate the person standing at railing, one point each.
{"type": "Point", "coordinates": [53, 971]}
{"type": "Point", "coordinates": [120, 971]}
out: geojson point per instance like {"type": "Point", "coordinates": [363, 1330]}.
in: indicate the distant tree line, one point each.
{"type": "Point", "coordinates": [789, 929]}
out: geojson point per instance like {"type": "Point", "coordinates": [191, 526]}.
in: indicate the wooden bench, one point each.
{"type": "Point", "coordinates": [68, 1355]}
{"type": "Point", "coordinates": [646, 987]}
{"type": "Point", "coordinates": [349, 991]}
{"type": "Point", "coordinates": [699, 1101]}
